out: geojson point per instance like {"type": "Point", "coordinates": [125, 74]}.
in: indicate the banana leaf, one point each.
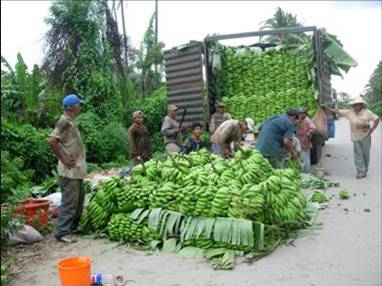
{"type": "Point", "coordinates": [191, 252]}
{"type": "Point", "coordinates": [169, 245]}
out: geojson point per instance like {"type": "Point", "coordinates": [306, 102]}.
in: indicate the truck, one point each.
{"type": "Point", "coordinates": [191, 82]}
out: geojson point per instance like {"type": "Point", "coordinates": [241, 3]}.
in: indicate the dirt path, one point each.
{"type": "Point", "coordinates": [345, 252]}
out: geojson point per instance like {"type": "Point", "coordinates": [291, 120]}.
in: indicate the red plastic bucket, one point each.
{"type": "Point", "coordinates": [74, 271]}
{"type": "Point", "coordinates": [36, 211]}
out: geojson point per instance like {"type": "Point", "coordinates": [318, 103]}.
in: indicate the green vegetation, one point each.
{"type": "Point", "coordinates": [373, 93]}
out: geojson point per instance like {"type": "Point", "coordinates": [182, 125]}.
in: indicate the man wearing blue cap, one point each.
{"type": "Point", "coordinates": [276, 137]}
{"type": "Point", "coordinates": [65, 142]}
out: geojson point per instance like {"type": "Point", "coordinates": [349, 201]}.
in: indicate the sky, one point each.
{"type": "Point", "coordinates": [356, 23]}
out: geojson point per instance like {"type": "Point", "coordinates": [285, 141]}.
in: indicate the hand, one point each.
{"type": "Point", "coordinates": [68, 162]}
{"type": "Point", "coordinates": [294, 155]}
{"type": "Point", "coordinates": [226, 151]}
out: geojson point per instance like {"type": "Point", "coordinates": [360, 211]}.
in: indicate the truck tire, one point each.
{"type": "Point", "coordinates": [315, 152]}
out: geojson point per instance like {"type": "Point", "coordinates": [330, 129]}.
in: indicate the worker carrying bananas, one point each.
{"type": "Point", "coordinates": [230, 131]}
{"type": "Point", "coordinates": [171, 130]}
{"type": "Point", "coordinates": [138, 141]}
{"type": "Point", "coordinates": [276, 137]}
{"type": "Point", "coordinates": [216, 120]}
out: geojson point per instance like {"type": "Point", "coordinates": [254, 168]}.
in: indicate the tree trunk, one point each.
{"type": "Point", "coordinates": [124, 34]}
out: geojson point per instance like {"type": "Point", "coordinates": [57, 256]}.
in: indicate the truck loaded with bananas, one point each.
{"type": "Point", "coordinates": [202, 199]}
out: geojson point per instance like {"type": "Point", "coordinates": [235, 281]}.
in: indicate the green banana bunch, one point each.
{"type": "Point", "coordinates": [319, 197]}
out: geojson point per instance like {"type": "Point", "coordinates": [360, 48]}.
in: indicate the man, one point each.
{"type": "Point", "coordinates": [171, 131]}
{"type": "Point", "coordinates": [360, 131]}
{"type": "Point", "coordinates": [276, 136]}
{"type": "Point", "coordinates": [216, 120]}
{"type": "Point", "coordinates": [194, 142]}
{"type": "Point", "coordinates": [304, 132]}
{"type": "Point", "coordinates": [138, 140]}
{"type": "Point", "coordinates": [230, 131]}
{"type": "Point", "coordinates": [65, 142]}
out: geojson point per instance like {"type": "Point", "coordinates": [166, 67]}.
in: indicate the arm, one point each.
{"type": "Point", "coordinates": [167, 130]}
{"type": "Point", "coordinates": [54, 139]}
{"type": "Point", "coordinates": [131, 144]}
{"type": "Point", "coordinates": [334, 110]}
{"type": "Point", "coordinates": [67, 161]}
{"type": "Point", "coordinates": [212, 124]}
{"type": "Point", "coordinates": [289, 146]}
{"type": "Point", "coordinates": [375, 124]}
{"type": "Point", "coordinates": [288, 140]}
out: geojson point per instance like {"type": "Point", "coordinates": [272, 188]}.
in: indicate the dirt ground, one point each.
{"type": "Point", "coordinates": [346, 251]}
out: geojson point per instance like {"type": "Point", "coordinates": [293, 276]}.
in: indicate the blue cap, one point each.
{"type": "Point", "coordinates": [71, 99]}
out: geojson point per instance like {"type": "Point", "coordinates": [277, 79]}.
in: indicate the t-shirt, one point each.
{"type": "Point", "coordinates": [229, 131]}
{"type": "Point", "coordinates": [169, 132]}
{"type": "Point", "coordinates": [217, 119]}
{"type": "Point", "coordinates": [139, 142]}
{"type": "Point", "coordinates": [190, 145]}
{"type": "Point", "coordinates": [359, 123]}
{"type": "Point", "coordinates": [272, 132]}
{"type": "Point", "coordinates": [303, 133]}
{"type": "Point", "coordinates": [70, 145]}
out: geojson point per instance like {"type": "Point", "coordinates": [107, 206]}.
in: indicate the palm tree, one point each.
{"type": "Point", "coordinates": [282, 19]}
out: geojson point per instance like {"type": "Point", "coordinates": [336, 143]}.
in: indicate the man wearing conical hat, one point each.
{"type": "Point", "coordinates": [360, 130]}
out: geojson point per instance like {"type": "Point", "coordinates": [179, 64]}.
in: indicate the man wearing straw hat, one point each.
{"type": "Point", "coordinates": [360, 130]}
{"type": "Point", "coordinates": [65, 142]}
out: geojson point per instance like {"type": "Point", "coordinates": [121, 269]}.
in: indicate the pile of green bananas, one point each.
{"type": "Point", "coordinates": [199, 185]}
{"type": "Point", "coordinates": [249, 80]}
{"type": "Point", "coordinates": [101, 206]}
{"type": "Point", "coordinates": [123, 228]}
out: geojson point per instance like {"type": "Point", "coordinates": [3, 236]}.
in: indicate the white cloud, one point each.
{"type": "Point", "coordinates": [356, 23]}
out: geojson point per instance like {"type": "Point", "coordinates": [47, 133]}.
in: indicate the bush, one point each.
{"type": "Point", "coordinates": [15, 183]}
{"type": "Point", "coordinates": [157, 142]}
{"type": "Point", "coordinates": [153, 108]}
{"type": "Point", "coordinates": [103, 142]}
{"type": "Point", "coordinates": [30, 145]}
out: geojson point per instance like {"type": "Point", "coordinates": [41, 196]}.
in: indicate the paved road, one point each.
{"type": "Point", "coordinates": [345, 252]}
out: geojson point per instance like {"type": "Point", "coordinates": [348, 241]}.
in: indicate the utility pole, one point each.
{"type": "Point", "coordinates": [124, 34]}
{"type": "Point", "coordinates": [156, 22]}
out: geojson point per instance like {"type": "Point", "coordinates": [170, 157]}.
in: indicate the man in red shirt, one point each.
{"type": "Point", "coordinates": [304, 133]}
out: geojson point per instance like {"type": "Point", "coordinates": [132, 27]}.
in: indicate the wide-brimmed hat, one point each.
{"type": "Point", "coordinates": [358, 100]}
{"type": "Point", "coordinates": [220, 104]}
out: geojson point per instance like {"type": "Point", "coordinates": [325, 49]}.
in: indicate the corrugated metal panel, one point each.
{"type": "Point", "coordinates": [184, 80]}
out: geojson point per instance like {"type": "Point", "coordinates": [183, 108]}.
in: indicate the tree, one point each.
{"type": "Point", "coordinates": [83, 54]}
{"type": "Point", "coordinates": [151, 55]}
{"type": "Point", "coordinates": [282, 19]}
{"type": "Point", "coordinates": [21, 94]}
{"type": "Point", "coordinates": [373, 92]}
{"type": "Point", "coordinates": [343, 100]}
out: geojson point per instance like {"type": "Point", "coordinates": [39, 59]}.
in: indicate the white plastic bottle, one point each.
{"type": "Point", "coordinates": [98, 279]}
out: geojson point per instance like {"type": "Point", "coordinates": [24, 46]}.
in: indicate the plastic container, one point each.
{"type": "Point", "coordinates": [36, 211]}
{"type": "Point", "coordinates": [101, 279]}
{"type": "Point", "coordinates": [74, 271]}
{"type": "Point", "coordinates": [98, 279]}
